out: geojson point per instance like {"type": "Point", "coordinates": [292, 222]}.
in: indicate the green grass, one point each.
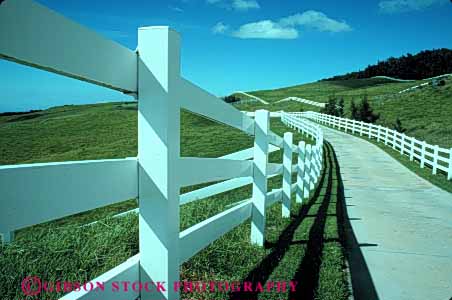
{"type": "Point", "coordinates": [425, 113]}
{"type": "Point", "coordinates": [321, 90]}
{"type": "Point", "coordinates": [307, 247]}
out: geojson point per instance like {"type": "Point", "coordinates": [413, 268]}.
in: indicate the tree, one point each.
{"type": "Point", "coordinates": [330, 107]}
{"type": "Point", "coordinates": [398, 126]}
{"type": "Point", "coordinates": [425, 64]}
{"type": "Point", "coordinates": [366, 112]}
{"type": "Point", "coordinates": [354, 111]}
{"type": "Point", "coordinates": [340, 108]}
{"type": "Point", "coordinates": [231, 99]}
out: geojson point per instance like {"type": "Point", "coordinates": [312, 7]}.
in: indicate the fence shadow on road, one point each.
{"type": "Point", "coordinates": [363, 287]}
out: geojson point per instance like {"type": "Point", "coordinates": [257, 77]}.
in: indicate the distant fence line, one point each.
{"type": "Point", "coordinates": [301, 100]}
{"type": "Point", "coordinates": [251, 96]}
{"type": "Point", "coordinates": [436, 157]}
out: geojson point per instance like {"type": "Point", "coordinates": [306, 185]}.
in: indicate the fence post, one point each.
{"type": "Point", "coordinates": [412, 149]}
{"type": "Point", "coordinates": [369, 127]}
{"type": "Point", "coordinates": [449, 172]}
{"type": "Point", "coordinates": [158, 156]}
{"type": "Point", "coordinates": [394, 136]}
{"type": "Point", "coordinates": [378, 132]}
{"type": "Point", "coordinates": [402, 144]}
{"type": "Point", "coordinates": [287, 174]}
{"type": "Point", "coordinates": [386, 135]}
{"type": "Point", "coordinates": [307, 172]}
{"type": "Point", "coordinates": [300, 171]}
{"type": "Point", "coordinates": [423, 154]}
{"type": "Point", "coordinates": [361, 128]}
{"type": "Point", "coordinates": [261, 130]}
{"type": "Point", "coordinates": [315, 162]}
{"type": "Point", "coordinates": [313, 169]}
{"type": "Point", "coordinates": [435, 159]}
{"type": "Point", "coordinates": [353, 126]}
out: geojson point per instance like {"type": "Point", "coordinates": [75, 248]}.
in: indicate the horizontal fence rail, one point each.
{"type": "Point", "coordinates": [301, 100]}
{"type": "Point", "coordinates": [437, 158]}
{"type": "Point", "coordinates": [33, 193]}
{"type": "Point", "coordinates": [251, 96]}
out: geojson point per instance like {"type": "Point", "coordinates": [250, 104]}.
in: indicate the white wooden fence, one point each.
{"type": "Point", "coordinates": [301, 100]}
{"type": "Point", "coordinates": [436, 157]}
{"type": "Point", "coordinates": [251, 96]}
{"type": "Point", "coordinates": [36, 193]}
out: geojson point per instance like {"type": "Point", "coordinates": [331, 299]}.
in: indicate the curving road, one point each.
{"type": "Point", "coordinates": [401, 225]}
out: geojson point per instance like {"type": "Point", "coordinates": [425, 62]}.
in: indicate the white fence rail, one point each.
{"type": "Point", "coordinates": [301, 100]}
{"type": "Point", "coordinates": [436, 157]}
{"type": "Point", "coordinates": [251, 96]}
{"type": "Point", "coordinates": [36, 193]}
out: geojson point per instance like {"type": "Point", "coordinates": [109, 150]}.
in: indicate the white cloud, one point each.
{"type": "Point", "coordinates": [238, 5]}
{"type": "Point", "coordinates": [395, 6]}
{"type": "Point", "coordinates": [285, 28]}
{"type": "Point", "coordinates": [245, 5]}
{"type": "Point", "coordinates": [220, 28]}
{"type": "Point", "coordinates": [315, 20]}
{"type": "Point", "coordinates": [265, 30]}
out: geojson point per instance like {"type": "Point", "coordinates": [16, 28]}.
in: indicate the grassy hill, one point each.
{"type": "Point", "coordinates": [425, 113]}
{"type": "Point", "coordinates": [63, 250]}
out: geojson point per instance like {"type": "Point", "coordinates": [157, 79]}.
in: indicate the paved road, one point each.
{"type": "Point", "coordinates": [401, 222]}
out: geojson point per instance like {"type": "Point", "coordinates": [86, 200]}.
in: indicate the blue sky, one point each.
{"type": "Point", "coordinates": [230, 45]}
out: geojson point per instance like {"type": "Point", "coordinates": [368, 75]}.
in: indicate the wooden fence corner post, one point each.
{"type": "Point", "coordinates": [261, 130]}
{"type": "Point", "coordinates": [300, 171]}
{"type": "Point", "coordinates": [158, 156]}
{"type": "Point", "coordinates": [287, 174]}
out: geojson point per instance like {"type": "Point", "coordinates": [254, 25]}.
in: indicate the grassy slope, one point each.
{"type": "Point", "coordinates": [425, 113]}
{"type": "Point", "coordinates": [61, 250]}
{"type": "Point", "coordinates": [320, 91]}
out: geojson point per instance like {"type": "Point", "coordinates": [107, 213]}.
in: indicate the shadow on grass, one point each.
{"type": "Point", "coordinates": [264, 269]}
{"type": "Point", "coordinates": [307, 273]}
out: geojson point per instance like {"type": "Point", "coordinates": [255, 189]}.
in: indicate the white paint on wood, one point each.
{"type": "Point", "coordinates": [34, 35]}
{"type": "Point", "coordinates": [259, 177]}
{"type": "Point", "coordinates": [37, 193]}
{"type": "Point", "coordinates": [198, 101]}
{"type": "Point", "coordinates": [158, 155]}
{"type": "Point", "coordinates": [301, 171]}
{"type": "Point", "coordinates": [128, 271]}
{"type": "Point", "coordinates": [287, 175]}
{"type": "Point", "coordinates": [197, 237]}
